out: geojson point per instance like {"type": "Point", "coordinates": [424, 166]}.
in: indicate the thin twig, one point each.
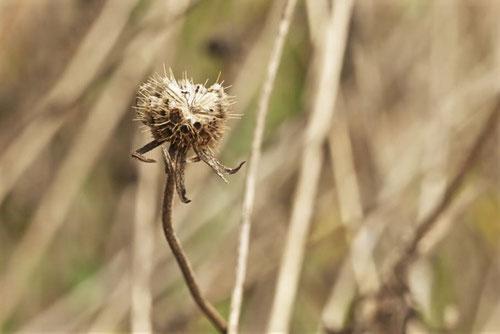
{"type": "Point", "coordinates": [430, 220]}
{"type": "Point", "coordinates": [248, 202]}
{"type": "Point", "coordinates": [328, 61]}
{"type": "Point", "coordinates": [173, 242]}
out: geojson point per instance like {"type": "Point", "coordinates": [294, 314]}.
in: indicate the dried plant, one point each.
{"type": "Point", "coordinates": [258, 138]}
{"type": "Point", "coordinates": [186, 116]}
{"type": "Point", "coordinates": [392, 306]}
{"type": "Point", "coordinates": [408, 191]}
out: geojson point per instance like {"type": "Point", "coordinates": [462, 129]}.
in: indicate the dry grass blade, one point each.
{"type": "Point", "coordinates": [77, 76]}
{"type": "Point", "coordinates": [346, 182]}
{"type": "Point", "coordinates": [431, 219]}
{"type": "Point", "coordinates": [83, 155]}
{"type": "Point", "coordinates": [51, 315]}
{"type": "Point", "coordinates": [248, 202]}
{"type": "Point", "coordinates": [444, 49]}
{"type": "Point", "coordinates": [444, 224]}
{"type": "Point", "coordinates": [417, 84]}
{"type": "Point", "coordinates": [144, 237]}
{"type": "Point", "coordinates": [13, 164]}
{"type": "Point", "coordinates": [65, 314]}
{"type": "Point", "coordinates": [93, 51]}
{"type": "Point", "coordinates": [111, 315]}
{"type": "Point", "coordinates": [358, 269]}
{"type": "Point", "coordinates": [329, 62]}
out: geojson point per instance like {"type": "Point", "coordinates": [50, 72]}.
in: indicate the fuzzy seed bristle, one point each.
{"type": "Point", "coordinates": [183, 113]}
{"type": "Point", "coordinates": [186, 116]}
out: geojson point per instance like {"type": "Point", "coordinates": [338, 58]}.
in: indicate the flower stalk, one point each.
{"type": "Point", "coordinates": [185, 116]}
{"type": "Point", "coordinates": [172, 240]}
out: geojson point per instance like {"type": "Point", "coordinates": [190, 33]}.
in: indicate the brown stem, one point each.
{"type": "Point", "coordinates": [426, 225]}
{"type": "Point", "coordinates": [209, 311]}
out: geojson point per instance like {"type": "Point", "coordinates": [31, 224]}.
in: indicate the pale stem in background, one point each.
{"type": "Point", "coordinates": [186, 231]}
{"type": "Point", "coordinates": [344, 173]}
{"type": "Point", "coordinates": [68, 313]}
{"type": "Point", "coordinates": [143, 245]}
{"type": "Point", "coordinates": [328, 59]}
{"type": "Point", "coordinates": [428, 223]}
{"type": "Point", "coordinates": [82, 68]}
{"type": "Point", "coordinates": [376, 222]}
{"type": "Point", "coordinates": [84, 153]}
{"type": "Point", "coordinates": [96, 301]}
{"type": "Point", "coordinates": [111, 315]}
{"type": "Point", "coordinates": [248, 202]}
{"type": "Point", "coordinates": [351, 211]}
{"type": "Point", "coordinates": [444, 50]}
{"type": "Point", "coordinates": [359, 267]}
{"type": "Point", "coordinates": [317, 13]}
{"type": "Point", "coordinates": [485, 308]}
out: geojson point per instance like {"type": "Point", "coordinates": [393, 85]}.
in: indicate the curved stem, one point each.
{"type": "Point", "coordinates": [209, 311]}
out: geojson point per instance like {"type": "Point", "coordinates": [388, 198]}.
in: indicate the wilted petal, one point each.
{"type": "Point", "coordinates": [207, 156]}
{"type": "Point", "coordinates": [146, 148]}
{"type": "Point", "coordinates": [231, 170]}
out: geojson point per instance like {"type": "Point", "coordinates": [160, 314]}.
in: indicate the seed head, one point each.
{"type": "Point", "coordinates": [183, 113]}
{"type": "Point", "coordinates": [186, 116]}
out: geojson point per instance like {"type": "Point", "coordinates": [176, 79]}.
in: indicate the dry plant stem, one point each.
{"type": "Point", "coordinates": [64, 94]}
{"type": "Point", "coordinates": [429, 222]}
{"type": "Point", "coordinates": [51, 211]}
{"type": "Point", "coordinates": [391, 298]}
{"type": "Point", "coordinates": [242, 86]}
{"type": "Point", "coordinates": [91, 52]}
{"type": "Point", "coordinates": [328, 61]}
{"type": "Point", "coordinates": [248, 202]}
{"type": "Point", "coordinates": [168, 196]}
{"type": "Point", "coordinates": [63, 311]}
{"type": "Point", "coordinates": [142, 249]}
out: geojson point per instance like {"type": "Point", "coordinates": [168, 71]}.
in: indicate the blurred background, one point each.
{"type": "Point", "coordinates": [81, 247]}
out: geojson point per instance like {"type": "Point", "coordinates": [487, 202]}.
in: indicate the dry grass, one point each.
{"type": "Point", "coordinates": [416, 85]}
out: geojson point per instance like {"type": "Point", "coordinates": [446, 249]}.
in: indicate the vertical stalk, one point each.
{"type": "Point", "coordinates": [207, 308]}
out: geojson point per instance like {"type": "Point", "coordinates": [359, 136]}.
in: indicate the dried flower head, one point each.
{"type": "Point", "coordinates": [186, 116]}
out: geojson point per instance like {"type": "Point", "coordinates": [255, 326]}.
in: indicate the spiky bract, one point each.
{"type": "Point", "coordinates": [187, 116]}
{"type": "Point", "coordinates": [183, 113]}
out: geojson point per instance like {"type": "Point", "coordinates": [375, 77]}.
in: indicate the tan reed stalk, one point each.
{"type": "Point", "coordinates": [84, 66]}
{"type": "Point", "coordinates": [143, 248]}
{"type": "Point", "coordinates": [328, 60]}
{"type": "Point", "coordinates": [429, 221]}
{"type": "Point", "coordinates": [88, 144]}
{"type": "Point", "coordinates": [248, 201]}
